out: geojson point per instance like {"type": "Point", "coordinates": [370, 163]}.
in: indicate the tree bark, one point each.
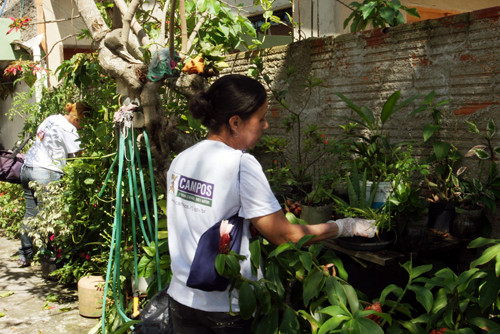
{"type": "Point", "coordinates": [130, 72]}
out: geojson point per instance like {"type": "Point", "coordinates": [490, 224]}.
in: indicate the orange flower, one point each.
{"type": "Point", "coordinates": [194, 66]}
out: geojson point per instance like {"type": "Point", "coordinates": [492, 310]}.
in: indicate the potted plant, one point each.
{"type": "Point", "coordinates": [359, 204]}
{"type": "Point", "coordinates": [301, 163]}
{"type": "Point", "coordinates": [370, 145]}
{"type": "Point", "coordinates": [478, 192]}
{"type": "Point", "coordinates": [443, 160]}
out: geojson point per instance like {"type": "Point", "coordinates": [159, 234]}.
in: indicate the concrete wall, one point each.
{"type": "Point", "coordinates": [458, 57]}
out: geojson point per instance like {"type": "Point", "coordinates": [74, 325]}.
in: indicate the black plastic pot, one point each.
{"type": "Point", "coordinates": [381, 241]}
{"type": "Point", "coordinates": [441, 216]}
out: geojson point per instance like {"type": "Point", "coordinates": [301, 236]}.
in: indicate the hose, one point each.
{"type": "Point", "coordinates": [127, 147]}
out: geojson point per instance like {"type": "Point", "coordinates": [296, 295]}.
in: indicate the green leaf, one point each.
{"type": "Point", "coordinates": [306, 260]}
{"type": "Point", "coordinates": [282, 248]}
{"type": "Point", "coordinates": [290, 323]}
{"type": "Point", "coordinates": [269, 323]}
{"type": "Point", "coordinates": [388, 108]}
{"type": "Point", "coordinates": [424, 296]}
{"type": "Point", "coordinates": [352, 297]}
{"type": "Point", "coordinates": [367, 9]}
{"type": "Point", "coordinates": [440, 301]}
{"type": "Point", "coordinates": [333, 323]}
{"type": "Point", "coordinates": [312, 286]}
{"type": "Point", "coordinates": [6, 294]}
{"type": "Point", "coordinates": [441, 149]}
{"type": "Point", "coordinates": [388, 15]}
{"type": "Point", "coordinates": [220, 263]}
{"type": "Point", "coordinates": [246, 300]}
{"type": "Point", "coordinates": [255, 253]}
{"type": "Point", "coordinates": [417, 271]}
{"type": "Point", "coordinates": [391, 288]}
{"type": "Point", "coordinates": [487, 256]}
{"type": "Point", "coordinates": [361, 326]}
{"type": "Point", "coordinates": [429, 130]}
{"type": "Point", "coordinates": [89, 181]}
{"type": "Point", "coordinates": [485, 323]}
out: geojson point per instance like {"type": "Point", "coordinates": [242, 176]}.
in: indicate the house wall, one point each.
{"type": "Point", "coordinates": [457, 56]}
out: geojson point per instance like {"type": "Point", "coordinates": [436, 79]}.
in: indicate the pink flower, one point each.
{"type": "Point", "coordinates": [15, 210]}
{"type": "Point", "coordinates": [87, 257]}
{"type": "Point", "coordinates": [52, 237]}
{"type": "Point", "coordinates": [326, 141]}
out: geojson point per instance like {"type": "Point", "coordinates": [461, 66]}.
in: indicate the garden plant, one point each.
{"type": "Point", "coordinates": [305, 289]}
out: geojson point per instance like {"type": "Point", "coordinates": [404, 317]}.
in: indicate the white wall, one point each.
{"type": "Point", "coordinates": [10, 130]}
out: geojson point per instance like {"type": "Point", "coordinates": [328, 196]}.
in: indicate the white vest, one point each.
{"type": "Point", "coordinates": [208, 182]}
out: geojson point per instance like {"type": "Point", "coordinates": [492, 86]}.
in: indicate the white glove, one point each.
{"type": "Point", "coordinates": [349, 227]}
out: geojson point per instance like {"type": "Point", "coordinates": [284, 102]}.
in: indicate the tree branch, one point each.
{"type": "Point", "coordinates": [171, 27]}
{"type": "Point", "coordinates": [127, 18]}
{"type": "Point", "coordinates": [182, 13]}
{"type": "Point", "coordinates": [197, 28]}
{"type": "Point", "coordinates": [163, 22]}
{"type": "Point", "coordinates": [136, 27]}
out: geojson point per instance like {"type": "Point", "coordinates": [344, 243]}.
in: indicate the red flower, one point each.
{"type": "Point", "coordinates": [439, 331]}
{"type": "Point", "coordinates": [19, 23]}
{"type": "Point", "coordinates": [377, 308]}
{"type": "Point", "coordinates": [225, 238]}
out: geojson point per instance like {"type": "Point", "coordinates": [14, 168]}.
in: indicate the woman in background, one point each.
{"type": "Point", "coordinates": [56, 139]}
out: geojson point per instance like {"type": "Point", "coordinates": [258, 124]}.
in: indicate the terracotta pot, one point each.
{"type": "Point", "coordinates": [90, 295]}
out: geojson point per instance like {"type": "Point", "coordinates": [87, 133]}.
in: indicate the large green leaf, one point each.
{"type": "Point", "coordinates": [269, 323]}
{"type": "Point", "coordinates": [487, 256]}
{"type": "Point", "coordinates": [290, 323]}
{"type": "Point", "coordinates": [247, 300]}
{"type": "Point", "coordinates": [389, 106]}
{"type": "Point", "coordinates": [313, 284]}
{"type": "Point", "coordinates": [361, 326]}
{"type": "Point", "coordinates": [424, 296]}
{"type": "Point", "coordinates": [441, 149]}
{"type": "Point", "coordinates": [333, 323]}
{"type": "Point", "coordinates": [391, 288]}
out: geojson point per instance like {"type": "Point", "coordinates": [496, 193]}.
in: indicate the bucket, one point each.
{"type": "Point", "coordinates": [383, 191]}
{"type": "Point", "coordinates": [317, 214]}
{"type": "Point", "coordinates": [90, 295]}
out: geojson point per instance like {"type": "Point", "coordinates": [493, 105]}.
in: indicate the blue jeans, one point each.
{"type": "Point", "coordinates": [43, 176]}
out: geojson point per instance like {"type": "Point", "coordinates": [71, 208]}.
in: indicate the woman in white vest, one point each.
{"type": "Point", "coordinates": [56, 139]}
{"type": "Point", "coordinates": [215, 179]}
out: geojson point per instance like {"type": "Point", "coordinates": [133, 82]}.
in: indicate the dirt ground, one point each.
{"type": "Point", "coordinates": [30, 304]}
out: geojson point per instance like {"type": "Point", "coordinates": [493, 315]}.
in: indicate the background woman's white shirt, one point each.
{"type": "Point", "coordinates": [56, 137]}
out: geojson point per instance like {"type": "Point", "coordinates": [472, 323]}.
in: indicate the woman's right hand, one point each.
{"type": "Point", "coordinates": [349, 227]}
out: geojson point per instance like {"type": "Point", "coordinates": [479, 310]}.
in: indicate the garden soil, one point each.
{"type": "Point", "coordinates": [30, 304]}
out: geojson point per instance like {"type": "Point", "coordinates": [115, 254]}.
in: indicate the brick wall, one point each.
{"type": "Point", "coordinates": [458, 57]}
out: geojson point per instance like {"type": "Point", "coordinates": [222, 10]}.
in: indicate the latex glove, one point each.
{"type": "Point", "coordinates": [349, 227]}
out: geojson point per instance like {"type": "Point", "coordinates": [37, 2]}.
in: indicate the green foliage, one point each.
{"type": "Point", "coordinates": [369, 142]}
{"type": "Point", "coordinates": [480, 190]}
{"type": "Point", "coordinates": [443, 156]}
{"type": "Point", "coordinates": [378, 13]}
{"type": "Point", "coordinates": [11, 208]}
{"type": "Point", "coordinates": [297, 156]}
{"type": "Point", "coordinates": [305, 290]}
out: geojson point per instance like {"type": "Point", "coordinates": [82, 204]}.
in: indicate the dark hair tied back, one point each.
{"type": "Point", "coordinates": [230, 95]}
